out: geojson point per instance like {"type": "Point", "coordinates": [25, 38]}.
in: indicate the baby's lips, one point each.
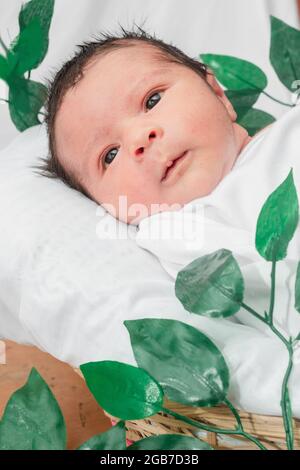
{"type": "Point", "coordinates": [170, 162]}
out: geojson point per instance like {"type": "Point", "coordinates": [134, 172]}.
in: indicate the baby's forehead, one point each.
{"type": "Point", "coordinates": [131, 53]}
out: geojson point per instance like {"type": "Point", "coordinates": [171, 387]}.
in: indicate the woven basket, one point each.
{"type": "Point", "coordinates": [268, 429]}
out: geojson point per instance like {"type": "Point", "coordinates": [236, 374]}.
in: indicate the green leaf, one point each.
{"type": "Point", "coordinates": [113, 439]}
{"type": "Point", "coordinates": [185, 362]}
{"type": "Point", "coordinates": [7, 65]}
{"type": "Point", "coordinates": [297, 291]}
{"type": "Point", "coordinates": [211, 285]}
{"type": "Point", "coordinates": [12, 60]}
{"type": "Point", "coordinates": [277, 221]}
{"type": "Point", "coordinates": [254, 120]}
{"type": "Point", "coordinates": [32, 419]}
{"type": "Point", "coordinates": [124, 391]}
{"type": "Point", "coordinates": [29, 48]}
{"type": "Point", "coordinates": [170, 442]}
{"type": "Point", "coordinates": [235, 73]}
{"type": "Point", "coordinates": [4, 68]}
{"type": "Point", "coordinates": [284, 52]}
{"type": "Point", "coordinates": [242, 100]}
{"type": "Point", "coordinates": [298, 337]}
{"type": "Point", "coordinates": [43, 11]}
{"type": "Point", "coordinates": [26, 98]}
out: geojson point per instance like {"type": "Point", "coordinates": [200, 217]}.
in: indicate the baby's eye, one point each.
{"type": "Point", "coordinates": [110, 159]}
{"type": "Point", "coordinates": [153, 99]}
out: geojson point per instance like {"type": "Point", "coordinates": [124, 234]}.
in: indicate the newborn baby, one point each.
{"type": "Point", "coordinates": [139, 127]}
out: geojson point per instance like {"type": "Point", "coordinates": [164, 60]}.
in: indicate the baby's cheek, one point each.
{"type": "Point", "coordinates": [195, 124]}
{"type": "Point", "coordinates": [211, 170]}
{"type": "Point", "coordinates": [134, 190]}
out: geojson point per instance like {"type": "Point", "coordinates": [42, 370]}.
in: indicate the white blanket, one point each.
{"type": "Point", "coordinates": [227, 219]}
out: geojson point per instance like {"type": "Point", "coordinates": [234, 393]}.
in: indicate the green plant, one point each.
{"type": "Point", "coordinates": [25, 53]}
{"type": "Point", "coordinates": [245, 82]}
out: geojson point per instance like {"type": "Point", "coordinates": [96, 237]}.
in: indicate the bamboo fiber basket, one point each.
{"type": "Point", "coordinates": [268, 429]}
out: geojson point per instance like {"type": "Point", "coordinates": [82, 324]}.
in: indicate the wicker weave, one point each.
{"type": "Point", "coordinates": [268, 429]}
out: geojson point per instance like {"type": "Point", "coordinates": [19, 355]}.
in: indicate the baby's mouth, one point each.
{"type": "Point", "coordinates": [172, 165]}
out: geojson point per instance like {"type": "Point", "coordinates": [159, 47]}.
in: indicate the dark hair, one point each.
{"type": "Point", "coordinates": [71, 73]}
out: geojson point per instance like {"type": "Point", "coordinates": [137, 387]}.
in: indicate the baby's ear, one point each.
{"type": "Point", "coordinates": [211, 80]}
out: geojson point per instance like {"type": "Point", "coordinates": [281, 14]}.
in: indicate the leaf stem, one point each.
{"type": "Point", "coordinates": [240, 426]}
{"type": "Point", "coordinates": [253, 312]}
{"type": "Point", "coordinates": [268, 320]}
{"type": "Point", "coordinates": [285, 402]}
{"type": "Point", "coordinates": [277, 101]}
{"type": "Point", "coordinates": [235, 413]}
{"type": "Point", "coordinates": [272, 295]}
{"type": "Point", "coordinates": [205, 427]}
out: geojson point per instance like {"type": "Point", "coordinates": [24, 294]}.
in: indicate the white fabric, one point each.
{"type": "Point", "coordinates": [234, 27]}
{"type": "Point", "coordinates": [227, 219]}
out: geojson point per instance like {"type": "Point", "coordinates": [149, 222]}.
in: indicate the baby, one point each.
{"type": "Point", "coordinates": [139, 127]}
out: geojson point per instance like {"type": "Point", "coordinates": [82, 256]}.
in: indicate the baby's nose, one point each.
{"type": "Point", "coordinates": [143, 139]}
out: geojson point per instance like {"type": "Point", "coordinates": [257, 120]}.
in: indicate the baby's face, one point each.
{"type": "Point", "coordinates": [123, 124]}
